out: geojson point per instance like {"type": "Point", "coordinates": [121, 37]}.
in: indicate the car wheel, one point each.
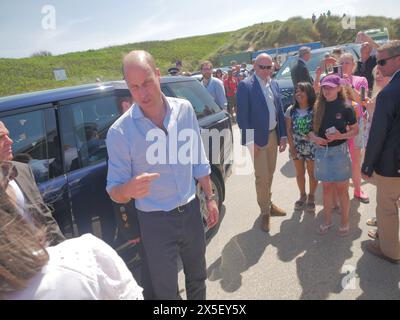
{"type": "Point", "coordinates": [217, 190]}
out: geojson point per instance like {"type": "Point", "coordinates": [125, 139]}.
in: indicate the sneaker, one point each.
{"type": "Point", "coordinates": [373, 234]}
{"type": "Point", "coordinates": [372, 222]}
{"type": "Point", "coordinates": [361, 196]}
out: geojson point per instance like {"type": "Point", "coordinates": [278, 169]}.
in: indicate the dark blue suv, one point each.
{"type": "Point", "coordinates": [61, 134]}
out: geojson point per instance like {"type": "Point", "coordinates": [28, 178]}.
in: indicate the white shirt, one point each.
{"type": "Point", "coordinates": [84, 268]}
{"type": "Point", "coordinates": [269, 97]}
{"type": "Point", "coordinates": [20, 201]}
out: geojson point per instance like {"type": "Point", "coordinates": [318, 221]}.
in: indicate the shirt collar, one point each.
{"type": "Point", "coordinates": [300, 59]}
{"type": "Point", "coordinates": [137, 112]}
{"type": "Point", "coordinates": [262, 82]}
{"type": "Point", "coordinates": [394, 75]}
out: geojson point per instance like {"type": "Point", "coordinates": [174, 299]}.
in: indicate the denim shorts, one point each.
{"type": "Point", "coordinates": [332, 164]}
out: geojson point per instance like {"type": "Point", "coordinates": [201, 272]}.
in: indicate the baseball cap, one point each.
{"type": "Point", "coordinates": [173, 71]}
{"type": "Point", "coordinates": [332, 80]}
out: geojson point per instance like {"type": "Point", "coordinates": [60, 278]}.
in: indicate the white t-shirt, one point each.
{"type": "Point", "coordinates": [84, 268]}
{"type": "Point", "coordinates": [20, 201]}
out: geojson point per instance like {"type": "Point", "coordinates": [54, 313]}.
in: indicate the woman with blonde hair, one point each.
{"type": "Point", "coordinates": [83, 268]}
{"type": "Point", "coordinates": [354, 87]}
{"type": "Point", "coordinates": [334, 123]}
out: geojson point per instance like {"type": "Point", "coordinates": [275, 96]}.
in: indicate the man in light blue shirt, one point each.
{"type": "Point", "coordinates": [149, 162]}
{"type": "Point", "coordinates": [213, 85]}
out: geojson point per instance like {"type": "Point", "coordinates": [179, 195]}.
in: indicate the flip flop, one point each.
{"type": "Point", "coordinates": [323, 228]}
{"type": "Point", "coordinates": [343, 231]}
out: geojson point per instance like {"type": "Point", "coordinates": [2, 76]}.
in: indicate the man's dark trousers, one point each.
{"type": "Point", "coordinates": [165, 235]}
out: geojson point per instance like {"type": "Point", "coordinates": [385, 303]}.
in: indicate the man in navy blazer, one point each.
{"type": "Point", "coordinates": [382, 156]}
{"type": "Point", "coordinates": [260, 117]}
{"type": "Point", "coordinates": [299, 71]}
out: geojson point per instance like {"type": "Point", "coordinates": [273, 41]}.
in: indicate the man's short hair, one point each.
{"type": "Point", "coordinates": [392, 48]}
{"type": "Point", "coordinates": [303, 51]}
{"type": "Point", "coordinates": [139, 57]}
{"type": "Point", "coordinates": [206, 63]}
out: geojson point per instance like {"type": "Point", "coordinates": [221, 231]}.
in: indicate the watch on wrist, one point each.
{"type": "Point", "coordinates": [211, 197]}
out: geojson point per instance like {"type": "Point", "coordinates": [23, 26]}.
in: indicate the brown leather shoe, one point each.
{"type": "Point", "coordinates": [277, 212]}
{"type": "Point", "coordinates": [373, 248]}
{"type": "Point", "coordinates": [265, 225]}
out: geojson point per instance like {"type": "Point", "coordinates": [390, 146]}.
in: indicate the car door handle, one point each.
{"type": "Point", "coordinates": [222, 120]}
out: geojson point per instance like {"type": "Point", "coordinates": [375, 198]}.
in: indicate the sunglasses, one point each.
{"type": "Point", "coordinates": [382, 62]}
{"type": "Point", "coordinates": [264, 67]}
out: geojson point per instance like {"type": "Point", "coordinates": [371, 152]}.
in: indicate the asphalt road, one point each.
{"type": "Point", "coordinates": [292, 261]}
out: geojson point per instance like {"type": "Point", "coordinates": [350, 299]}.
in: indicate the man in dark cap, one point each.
{"type": "Point", "coordinates": [173, 71]}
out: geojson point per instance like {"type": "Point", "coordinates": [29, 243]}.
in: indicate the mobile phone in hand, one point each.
{"type": "Point", "coordinates": [340, 71]}
{"type": "Point", "coordinates": [362, 93]}
{"type": "Point", "coordinates": [331, 130]}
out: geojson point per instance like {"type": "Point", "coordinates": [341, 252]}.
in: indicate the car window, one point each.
{"type": "Point", "coordinates": [84, 129]}
{"type": "Point", "coordinates": [284, 71]}
{"type": "Point", "coordinates": [193, 91]}
{"type": "Point", "coordinates": [36, 142]}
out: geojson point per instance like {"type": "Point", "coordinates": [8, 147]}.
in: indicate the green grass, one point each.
{"type": "Point", "coordinates": [36, 73]}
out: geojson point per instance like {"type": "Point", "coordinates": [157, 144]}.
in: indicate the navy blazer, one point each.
{"type": "Point", "coordinates": [382, 154]}
{"type": "Point", "coordinates": [299, 73]}
{"type": "Point", "coordinates": [252, 111]}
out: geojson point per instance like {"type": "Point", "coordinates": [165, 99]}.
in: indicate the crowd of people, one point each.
{"type": "Point", "coordinates": [333, 120]}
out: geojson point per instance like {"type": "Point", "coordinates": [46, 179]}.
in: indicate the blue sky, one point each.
{"type": "Point", "coordinates": [89, 24]}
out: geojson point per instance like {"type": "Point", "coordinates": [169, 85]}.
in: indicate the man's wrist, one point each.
{"type": "Point", "coordinates": [211, 197]}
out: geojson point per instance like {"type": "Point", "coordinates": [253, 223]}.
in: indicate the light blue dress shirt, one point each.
{"type": "Point", "coordinates": [269, 98]}
{"type": "Point", "coordinates": [216, 88]}
{"type": "Point", "coordinates": [132, 149]}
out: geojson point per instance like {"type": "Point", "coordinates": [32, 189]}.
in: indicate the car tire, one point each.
{"type": "Point", "coordinates": [217, 190]}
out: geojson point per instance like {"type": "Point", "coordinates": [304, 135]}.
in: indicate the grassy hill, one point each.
{"type": "Point", "coordinates": [31, 74]}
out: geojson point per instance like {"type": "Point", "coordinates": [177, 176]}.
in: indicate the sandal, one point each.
{"type": "Point", "coordinates": [372, 222]}
{"type": "Point", "coordinates": [373, 234]}
{"type": "Point", "coordinates": [361, 196]}
{"type": "Point", "coordinates": [323, 228]}
{"type": "Point", "coordinates": [299, 204]}
{"type": "Point", "coordinates": [310, 206]}
{"type": "Point", "coordinates": [343, 231]}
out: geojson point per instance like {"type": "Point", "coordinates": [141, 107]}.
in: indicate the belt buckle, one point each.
{"type": "Point", "coordinates": [180, 209]}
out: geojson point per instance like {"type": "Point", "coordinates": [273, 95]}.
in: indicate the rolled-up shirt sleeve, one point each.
{"type": "Point", "coordinates": [119, 158]}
